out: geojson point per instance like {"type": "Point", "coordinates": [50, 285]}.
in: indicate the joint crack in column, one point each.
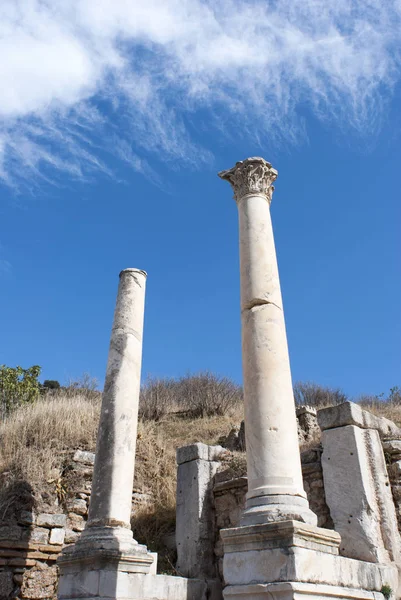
{"type": "Point", "coordinates": [257, 302]}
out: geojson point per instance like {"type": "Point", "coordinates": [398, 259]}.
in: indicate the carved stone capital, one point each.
{"type": "Point", "coordinates": [251, 176]}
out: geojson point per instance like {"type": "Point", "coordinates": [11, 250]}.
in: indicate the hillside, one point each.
{"type": "Point", "coordinates": [39, 440]}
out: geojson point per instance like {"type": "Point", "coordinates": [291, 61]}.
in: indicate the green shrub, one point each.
{"type": "Point", "coordinates": [18, 386]}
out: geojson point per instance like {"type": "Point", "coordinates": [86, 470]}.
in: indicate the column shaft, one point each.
{"type": "Point", "coordinates": [111, 497]}
{"type": "Point", "coordinates": [274, 465]}
{"type": "Point", "coordinates": [275, 487]}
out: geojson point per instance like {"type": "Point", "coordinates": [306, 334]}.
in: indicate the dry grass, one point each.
{"type": "Point", "coordinates": [34, 437]}
{"type": "Point", "coordinates": [389, 410]}
{"type": "Point", "coordinates": [36, 440]}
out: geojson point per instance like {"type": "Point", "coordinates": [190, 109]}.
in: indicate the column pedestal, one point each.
{"type": "Point", "coordinates": [289, 560]}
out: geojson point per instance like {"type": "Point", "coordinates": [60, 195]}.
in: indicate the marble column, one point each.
{"type": "Point", "coordinates": [113, 475]}
{"type": "Point", "coordinates": [106, 550]}
{"type": "Point", "coordinates": [273, 460]}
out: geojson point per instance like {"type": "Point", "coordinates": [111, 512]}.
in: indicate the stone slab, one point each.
{"type": "Point", "coordinates": [392, 446]}
{"type": "Point", "coordinates": [294, 590]}
{"type": "Point", "coordinates": [198, 451]}
{"type": "Point", "coordinates": [349, 413]}
{"type": "Point", "coordinates": [87, 458]}
{"type": "Point", "coordinates": [57, 536]}
{"type": "Point", "coordinates": [109, 585]}
{"type": "Point", "coordinates": [195, 524]}
{"type": "Point", "coordinates": [49, 520]}
{"type": "Point", "coordinates": [307, 566]}
{"type": "Point", "coordinates": [284, 534]}
{"type": "Point", "coordinates": [358, 494]}
{"type": "Point", "coordinates": [295, 552]}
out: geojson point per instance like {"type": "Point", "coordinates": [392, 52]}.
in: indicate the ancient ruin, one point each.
{"type": "Point", "coordinates": [321, 524]}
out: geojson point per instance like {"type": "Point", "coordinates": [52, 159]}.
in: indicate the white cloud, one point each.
{"type": "Point", "coordinates": [76, 75]}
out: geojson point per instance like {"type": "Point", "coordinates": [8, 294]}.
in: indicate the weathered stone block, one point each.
{"type": "Point", "coordinates": [349, 413]}
{"type": "Point", "coordinates": [295, 552]}
{"type": "Point", "coordinates": [77, 506]}
{"type": "Point", "coordinates": [49, 520]}
{"type": "Point", "coordinates": [293, 590]}
{"type": "Point", "coordinates": [87, 458]}
{"type": "Point", "coordinates": [392, 446]}
{"type": "Point", "coordinates": [6, 583]}
{"type": "Point", "coordinates": [57, 536]}
{"type": "Point", "coordinates": [10, 532]}
{"type": "Point", "coordinates": [71, 536]}
{"type": "Point", "coordinates": [27, 517]}
{"type": "Point", "coordinates": [77, 522]}
{"type": "Point", "coordinates": [198, 452]}
{"type": "Point", "coordinates": [39, 535]}
{"type": "Point", "coordinates": [39, 582]}
{"type": "Point", "coordinates": [195, 524]}
{"type": "Point", "coordinates": [358, 494]}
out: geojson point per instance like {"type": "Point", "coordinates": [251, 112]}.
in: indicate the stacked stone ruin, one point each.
{"type": "Point", "coordinates": [321, 527]}
{"type": "Point", "coordinates": [276, 550]}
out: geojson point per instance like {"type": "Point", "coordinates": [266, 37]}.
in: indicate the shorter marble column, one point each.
{"type": "Point", "coordinates": [106, 547]}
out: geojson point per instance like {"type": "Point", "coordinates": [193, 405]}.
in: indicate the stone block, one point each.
{"type": "Point", "coordinates": [77, 522]}
{"type": "Point", "coordinates": [39, 583]}
{"type": "Point", "coordinates": [144, 587]}
{"type": "Point", "coordinates": [39, 535]}
{"type": "Point", "coordinates": [49, 520]}
{"type": "Point", "coordinates": [291, 590]}
{"type": "Point", "coordinates": [358, 494]}
{"type": "Point", "coordinates": [87, 458]}
{"type": "Point", "coordinates": [195, 522]}
{"type": "Point", "coordinates": [6, 583]}
{"type": "Point", "coordinates": [10, 533]}
{"type": "Point", "coordinates": [295, 552]}
{"type": "Point", "coordinates": [57, 536]}
{"type": "Point", "coordinates": [198, 451]}
{"type": "Point", "coordinates": [27, 517]}
{"type": "Point", "coordinates": [77, 506]}
{"type": "Point", "coordinates": [392, 446]}
{"type": "Point", "coordinates": [349, 413]}
{"type": "Point", "coordinates": [71, 536]}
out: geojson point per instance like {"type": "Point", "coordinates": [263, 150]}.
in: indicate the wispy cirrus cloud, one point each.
{"type": "Point", "coordinates": [78, 74]}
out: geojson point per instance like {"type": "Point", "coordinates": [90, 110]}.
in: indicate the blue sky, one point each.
{"type": "Point", "coordinates": [115, 122]}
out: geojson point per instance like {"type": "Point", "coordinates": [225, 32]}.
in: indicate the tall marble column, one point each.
{"type": "Point", "coordinates": [273, 460]}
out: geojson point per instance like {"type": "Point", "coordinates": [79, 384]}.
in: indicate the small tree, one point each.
{"type": "Point", "coordinates": [18, 386]}
{"type": "Point", "coordinates": [395, 395]}
{"type": "Point", "coordinates": [50, 385]}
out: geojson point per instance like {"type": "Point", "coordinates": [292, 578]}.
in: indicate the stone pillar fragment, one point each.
{"type": "Point", "coordinates": [195, 524]}
{"type": "Point", "coordinates": [273, 461]}
{"type": "Point", "coordinates": [358, 494]}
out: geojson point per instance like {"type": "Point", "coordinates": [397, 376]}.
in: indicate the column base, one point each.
{"type": "Point", "coordinates": [291, 553]}
{"type": "Point", "coordinates": [274, 508]}
{"type": "Point", "coordinates": [94, 565]}
{"type": "Point", "coordinates": [291, 590]}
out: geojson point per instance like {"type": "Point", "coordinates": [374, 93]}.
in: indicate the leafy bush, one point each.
{"type": "Point", "coordinates": [18, 386]}
{"type": "Point", "coordinates": [50, 384]}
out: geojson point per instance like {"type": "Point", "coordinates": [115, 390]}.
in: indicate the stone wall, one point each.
{"type": "Point", "coordinates": [228, 491]}
{"type": "Point", "coordinates": [229, 498]}
{"type": "Point", "coordinates": [37, 529]}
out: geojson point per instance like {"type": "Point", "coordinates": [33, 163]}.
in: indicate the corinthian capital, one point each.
{"type": "Point", "coordinates": [251, 176]}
